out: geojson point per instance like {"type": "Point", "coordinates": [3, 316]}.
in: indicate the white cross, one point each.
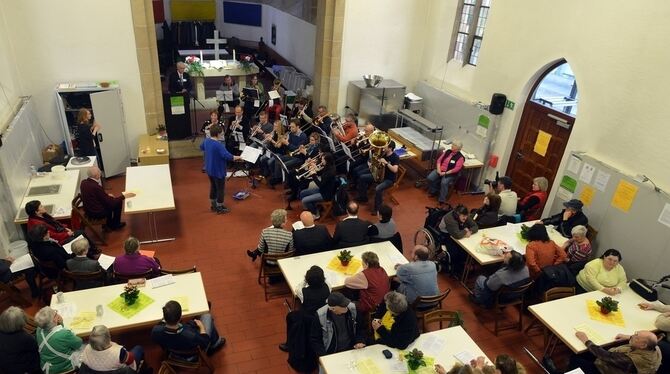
{"type": "Point", "coordinates": [216, 41]}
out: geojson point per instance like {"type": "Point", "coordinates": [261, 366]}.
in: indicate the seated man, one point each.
{"type": "Point", "coordinates": [274, 239]}
{"type": "Point", "coordinates": [338, 327]}
{"type": "Point", "coordinates": [351, 231]}
{"type": "Point", "coordinates": [388, 163]}
{"type": "Point", "coordinates": [99, 204]}
{"type": "Point", "coordinates": [419, 277]}
{"type": "Point", "coordinates": [568, 218]}
{"type": "Point", "coordinates": [312, 238]}
{"type": "Point", "coordinates": [508, 198]}
{"type": "Point", "coordinates": [457, 224]}
{"type": "Point", "coordinates": [641, 355]}
{"type": "Point", "coordinates": [513, 271]}
{"type": "Point", "coordinates": [173, 335]}
{"type": "Point", "coordinates": [133, 262]}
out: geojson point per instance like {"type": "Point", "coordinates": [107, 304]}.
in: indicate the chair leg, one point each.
{"type": "Point", "coordinates": [521, 317]}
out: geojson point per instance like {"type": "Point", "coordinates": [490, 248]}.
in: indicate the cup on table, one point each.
{"type": "Point", "coordinates": [60, 297]}
{"type": "Point", "coordinates": [99, 311]}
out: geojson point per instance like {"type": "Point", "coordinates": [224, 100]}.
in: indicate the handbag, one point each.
{"type": "Point", "coordinates": [644, 289]}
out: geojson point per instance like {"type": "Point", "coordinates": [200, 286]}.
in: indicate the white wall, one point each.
{"type": "Point", "coordinates": [9, 84]}
{"type": "Point", "coordinates": [75, 40]}
{"type": "Point", "coordinates": [382, 37]}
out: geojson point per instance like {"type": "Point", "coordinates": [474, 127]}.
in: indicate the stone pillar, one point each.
{"type": "Point", "coordinates": [329, 26]}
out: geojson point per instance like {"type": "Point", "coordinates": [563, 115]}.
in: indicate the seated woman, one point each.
{"type": "Point", "coordinates": [513, 271]}
{"type": "Point", "coordinates": [568, 218]}
{"type": "Point", "coordinates": [45, 249]}
{"type": "Point", "coordinates": [60, 349]}
{"type": "Point", "coordinates": [82, 264]}
{"type": "Point", "coordinates": [394, 323]}
{"type": "Point", "coordinates": [542, 251]}
{"type": "Point", "coordinates": [274, 239]}
{"type": "Point", "coordinates": [373, 283]}
{"type": "Point", "coordinates": [578, 247]}
{"type": "Point", "coordinates": [386, 228]}
{"type": "Point", "coordinates": [18, 349]}
{"type": "Point", "coordinates": [213, 120]}
{"type": "Point", "coordinates": [530, 206]}
{"type": "Point", "coordinates": [504, 364]}
{"type": "Point", "coordinates": [487, 215]}
{"type": "Point", "coordinates": [102, 354]}
{"type": "Point", "coordinates": [326, 181]}
{"type": "Point", "coordinates": [37, 215]}
{"type": "Point", "coordinates": [603, 274]}
{"type": "Point", "coordinates": [133, 262]}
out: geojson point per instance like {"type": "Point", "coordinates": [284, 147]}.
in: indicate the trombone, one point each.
{"type": "Point", "coordinates": [310, 171]}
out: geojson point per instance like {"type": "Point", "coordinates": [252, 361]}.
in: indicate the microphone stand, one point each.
{"type": "Point", "coordinates": [194, 124]}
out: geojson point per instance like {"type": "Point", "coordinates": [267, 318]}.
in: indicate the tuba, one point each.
{"type": "Point", "coordinates": [378, 142]}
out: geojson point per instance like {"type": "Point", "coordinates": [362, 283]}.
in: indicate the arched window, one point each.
{"type": "Point", "coordinates": [558, 90]}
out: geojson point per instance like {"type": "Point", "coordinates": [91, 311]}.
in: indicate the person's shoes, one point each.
{"type": "Point", "coordinates": [212, 207]}
{"type": "Point", "coordinates": [283, 347]}
{"type": "Point", "coordinates": [118, 227]}
{"type": "Point", "coordinates": [252, 254]}
{"type": "Point", "coordinates": [549, 364]}
{"type": "Point", "coordinates": [213, 349]}
{"type": "Point", "coordinates": [222, 209]}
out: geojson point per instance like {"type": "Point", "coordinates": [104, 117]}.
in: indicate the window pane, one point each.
{"type": "Point", "coordinates": [466, 18]}
{"type": "Point", "coordinates": [486, 3]}
{"type": "Point", "coordinates": [481, 22]}
{"type": "Point", "coordinates": [558, 90]}
{"type": "Point", "coordinates": [459, 50]}
{"type": "Point", "coordinates": [469, 2]}
{"type": "Point", "coordinates": [474, 52]}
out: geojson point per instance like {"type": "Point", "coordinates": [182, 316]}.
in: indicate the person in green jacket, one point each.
{"type": "Point", "coordinates": [60, 349]}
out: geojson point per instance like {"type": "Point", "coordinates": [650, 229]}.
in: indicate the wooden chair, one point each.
{"type": "Point", "coordinates": [549, 295]}
{"type": "Point", "coordinates": [13, 293]}
{"type": "Point", "coordinates": [268, 270]}
{"type": "Point", "coordinates": [180, 271]}
{"type": "Point", "coordinates": [77, 279]}
{"type": "Point", "coordinates": [425, 304]}
{"type": "Point", "coordinates": [509, 296]}
{"type": "Point", "coordinates": [31, 326]}
{"type": "Point", "coordinates": [398, 180]}
{"type": "Point", "coordinates": [440, 316]}
{"type": "Point", "coordinates": [124, 278]}
{"type": "Point", "coordinates": [166, 369]}
{"type": "Point", "coordinates": [78, 213]}
{"type": "Point", "coordinates": [591, 234]}
{"type": "Point", "coordinates": [44, 269]}
{"type": "Point", "coordinates": [177, 359]}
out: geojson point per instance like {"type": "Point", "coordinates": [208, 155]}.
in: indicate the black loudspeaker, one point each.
{"type": "Point", "coordinates": [497, 103]}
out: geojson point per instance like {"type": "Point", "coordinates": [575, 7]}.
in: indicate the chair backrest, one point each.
{"type": "Point", "coordinates": [46, 268]}
{"type": "Point", "coordinates": [440, 316]}
{"type": "Point", "coordinates": [265, 257]}
{"type": "Point", "coordinates": [121, 277]}
{"type": "Point", "coordinates": [180, 358]}
{"type": "Point", "coordinates": [165, 369]}
{"type": "Point", "coordinates": [423, 303]}
{"type": "Point", "coordinates": [591, 234]}
{"type": "Point", "coordinates": [401, 174]}
{"type": "Point", "coordinates": [86, 279]}
{"type": "Point", "coordinates": [180, 271]}
{"type": "Point", "coordinates": [512, 295]}
{"type": "Point", "coordinates": [558, 293]}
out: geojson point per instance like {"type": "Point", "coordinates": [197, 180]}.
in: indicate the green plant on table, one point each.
{"type": "Point", "coordinates": [607, 305]}
{"type": "Point", "coordinates": [524, 232]}
{"type": "Point", "coordinates": [345, 256]}
{"type": "Point", "coordinates": [415, 359]}
{"type": "Point", "coordinates": [130, 294]}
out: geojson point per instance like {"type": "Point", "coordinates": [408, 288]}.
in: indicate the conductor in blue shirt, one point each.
{"type": "Point", "coordinates": [216, 158]}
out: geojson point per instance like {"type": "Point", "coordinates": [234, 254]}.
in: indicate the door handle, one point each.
{"type": "Point", "coordinates": [519, 155]}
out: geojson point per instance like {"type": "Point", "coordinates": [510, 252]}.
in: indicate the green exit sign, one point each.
{"type": "Point", "coordinates": [509, 104]}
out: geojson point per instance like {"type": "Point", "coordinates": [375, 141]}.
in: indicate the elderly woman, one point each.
{"type": "Point", "coordinates": [102, 354]}
{"type": "Point", "coordinates": [394, 323]}
{"type": "Point", "coordinates": [513, 271]}
{"type": "Point", "coordinates": [448, 165]}
{"type": "Point", "coordinates": [60, 348]}
{"type": "Point", "coordinates": [542, 251]}
{"type": "Point", "coordinates": [603, 274]}
{"type": "Point", "coordinates": [530, 206]}
{"type": "Point", "coordinates": [133, 262]}
{"type": "Point", "coordinates": [373, 283]}
{"type": "Point", "coordinates": [18, 349]}
{"type": "Point", "coordinates": [274, 239]}
{"type": "Point", "coordinates": [82, 264]}
{"type": "Point", "coordinates": [578, 247]}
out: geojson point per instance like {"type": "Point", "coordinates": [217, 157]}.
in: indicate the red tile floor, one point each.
{"type": "Point", "coordinates": [216, 244]}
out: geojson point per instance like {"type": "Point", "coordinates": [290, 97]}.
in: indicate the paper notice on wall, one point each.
{"type": "Point", "coordinates": [564, 194]}
{"type": "Point", "coordinates": [542, 143]}
{"type": "Point", "coordinates": [177, 105]}
{"type": "Point", "coordinates": [664, 218]}
{"type": "Point", "coordinates": [587, 173]}
{"type": "Point", "coordinates": [574, 164]}
{"type": "Point", "coordinates": [569, 183]}
{"type": "Point", "coordinates": [602, 178]}
{"type": "Point", "coordinates": [483, 126]}
{"type": "Point", "coordinates": [587, 195]}
{"type": "Point", "coordinates": [624, 195]}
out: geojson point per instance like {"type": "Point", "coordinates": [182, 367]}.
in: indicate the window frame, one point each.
{"type": "Point", "coordinates": [472, 30]}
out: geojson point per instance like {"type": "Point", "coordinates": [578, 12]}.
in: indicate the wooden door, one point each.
{"type": "Point", "coordinates": [525, 164]}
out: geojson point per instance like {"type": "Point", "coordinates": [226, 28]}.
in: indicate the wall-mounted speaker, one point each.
{"type": "Point", "coordinates": [497, 103]}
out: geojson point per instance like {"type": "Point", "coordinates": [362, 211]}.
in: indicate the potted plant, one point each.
{"type": "Point", "coordinates": [345, 256]}
{"type": "Point", "coordinates": [607, 305]}
{"type": "Point", "coordinates": [524, 232]}
{"type": "Point", "coordinates": [130, 294]}
{"type": "Point", "coordinates": [414, 360]}
{"type": "Point", "coordinates": [245, 62]}
{"type": "Point", "coordinates": [162, 130]}
{"type": "Point", "coordinates": [194, 66]}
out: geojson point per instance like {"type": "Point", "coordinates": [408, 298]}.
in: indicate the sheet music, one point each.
{"type": "Point", "coordinates": [331, 143]}
{"type": "Point", "coordinates": [251, 154]}
{"type": "Point", "coordinates": [257, 103]}
{"type": "Point", "coordinates": [228, 95]}
{"type": "Point", "coordinates": [25, 262]}
{"type": "Point", "coordinates": [274, 95]}
{"type": "Point", "coordinates": [465, 357]}
{"type": "Point", "coordinates": [161, 281]}
{"type": "Point", "coordinates": [298, 225]}
{"type": "Point", "coordinates": [68, 246]}
{"type": "Point", "coordinates": [105, 261]}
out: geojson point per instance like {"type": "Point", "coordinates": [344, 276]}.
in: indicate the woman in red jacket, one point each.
{"type": "Point", "coordinates": [530, 206]}
{"type": "Point", "coordinates": [373, 283]}
{"type": "Point", "coordinates": [37, 215]}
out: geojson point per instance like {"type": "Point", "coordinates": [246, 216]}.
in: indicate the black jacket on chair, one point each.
{"type": "Point", "coordinates": [312, 240]}
{"type": "Point", "coordinates": [50, 251]}
{"type": "Point", "coordinates": [351, 232]}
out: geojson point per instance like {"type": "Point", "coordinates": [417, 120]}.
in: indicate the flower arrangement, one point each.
{"type": "Point", "coordinates": [194, 66]}
{"type": "Point", "coordinates": [246, 62]}
{"type": "Point", "coordinates": [130, 294]}
{"type": "Point", "coordinates": [607, 305]}
{"type": "Point", "coordinates": [345, 256]}
{"type": "Point", "coordinates": [415, 359]}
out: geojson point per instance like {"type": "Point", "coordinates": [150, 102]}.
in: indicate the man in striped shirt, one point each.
{"type": "Point", "coordinates": [274, 239]}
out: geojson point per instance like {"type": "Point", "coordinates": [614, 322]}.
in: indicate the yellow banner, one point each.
{"type": "Point", "coordinates": [193, 10]}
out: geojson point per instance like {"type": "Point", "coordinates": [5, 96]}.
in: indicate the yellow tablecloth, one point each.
{"type": "Point", "coordinates": [119, 305]}
{"type": "Point", "coordinates": [350, 269]}
{"type": "Point", "coordinates": [613, 318]}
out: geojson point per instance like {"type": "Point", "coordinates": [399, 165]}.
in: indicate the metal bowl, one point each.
{"type": "Point", "coordinates": [372, 80]}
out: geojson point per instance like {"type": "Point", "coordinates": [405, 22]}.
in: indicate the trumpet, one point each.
{"type": "Point", "coordinates": [295, 152]}
{"type": "Point", "coordinates": [310, 171]}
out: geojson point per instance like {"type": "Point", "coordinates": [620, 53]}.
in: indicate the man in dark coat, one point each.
{"type": "Point", "coordinates": [98, 203]}
{"type": "Point", "coordinates": [312, 238]}
{"type": "Point", "coordinates": [351, 231]}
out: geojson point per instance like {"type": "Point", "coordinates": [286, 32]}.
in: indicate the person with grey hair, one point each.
{"type": "Point", "coordinates": [578, 247]}
{"type": "Point", "coordinates": [18, 349]}
{"type": "Point", "coordinates": [530, 206]}
{"type": "Point", "coordinates": [274, 239]}
{"type": "Point", "coordinates": [373, 283]}
{"type": "Point", "coordinates": [449, 164]}
{"type": "Point", "coordinates": [82, 264]}
{"type": "Point", "coordinates": [60, 348]}
{"type": "Point", "coordinates": [179, 81]}
{"type": "Point", "coordinates": [98, 203]}
{"type": "Point", "coordinates": [394, 322]}
{"type": "Point", "coordinates": [133, 262]}
{"type": "Point", "coordinates": [419, 277]}
{"type": "Point", "coordinates": [102, 354]}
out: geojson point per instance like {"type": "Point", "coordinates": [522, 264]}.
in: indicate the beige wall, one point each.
{"type": "Point", "coordinates": [75, 40]}
{"type": "Point", "coordinates": [9, 82]}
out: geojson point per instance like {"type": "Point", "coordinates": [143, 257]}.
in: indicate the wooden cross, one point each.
{"type": "Point", "coordinates": [216, 41]}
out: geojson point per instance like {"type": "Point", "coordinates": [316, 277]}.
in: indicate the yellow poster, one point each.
{"type": "Point", "coordinates": [542, 143]}
{"type": "Point", "coordinates": [587, 195]}
{"type": "Point", "coordinates": [193, 10]}
{"type": "Point", "coordinates": [624, 195]}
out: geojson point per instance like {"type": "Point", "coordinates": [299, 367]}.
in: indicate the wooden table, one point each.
{"type": "Point", "coordinates": [508, 234]}
{"type": "Point", "coordinates": [59, 204]}
{"type": "Point", "coordinates": [153, 186]}
{"type": "Point", "coordinates": [441, 345]}
{"type": "Point", "coordinates": [186, 285]}
{"type": "Point", "coordinates": [294, 268]}
{"type": "Point", "coordinates": [147, 151]}
{"type": "Point", "coordinates": [563, 315]}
